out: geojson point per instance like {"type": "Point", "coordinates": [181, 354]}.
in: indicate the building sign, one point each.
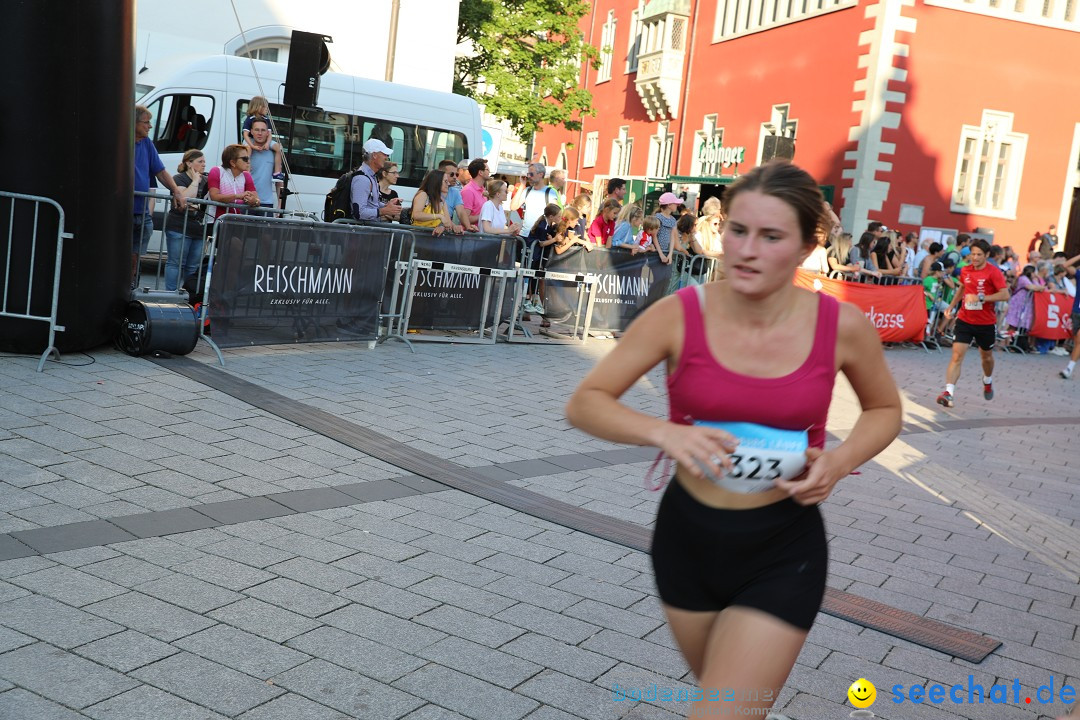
{"type": "Point", "coordinates": [711, 151]}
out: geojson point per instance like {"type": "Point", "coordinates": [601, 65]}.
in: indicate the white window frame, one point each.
{"type": "Point", "coordinates": [1060, 14]}
{"type": "Point", "coordinates": [634, 47]}
{"type": "Point", "coordinates": [736, 18]}
{"type": "Point", "coordinates": [660, 147]}
{"type": "Point", "coordinates": [622, 151]}
{"type": "Point", "coordinates": [607, 48]}
{"type": "Point", "coordinates": [592, 148]}
{"type": "Point", "coordinates": [985, 183]}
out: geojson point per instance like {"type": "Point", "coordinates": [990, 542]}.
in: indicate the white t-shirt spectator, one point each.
{"type": "Point", "coordinates": [495, 215]}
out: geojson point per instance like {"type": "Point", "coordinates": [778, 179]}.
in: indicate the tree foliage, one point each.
{"type": "Point", "coordinates": [526, 60]}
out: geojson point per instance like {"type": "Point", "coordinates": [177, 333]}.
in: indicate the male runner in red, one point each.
{"type": "Point", "coordinates": [981, 285]}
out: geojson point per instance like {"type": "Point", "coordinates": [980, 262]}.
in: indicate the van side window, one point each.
{"type": "Point", "coordinates": [327, 144]}
{"type": "Point", "coordinates": [181, 122]}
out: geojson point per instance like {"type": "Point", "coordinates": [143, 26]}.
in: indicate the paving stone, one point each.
{"type": "Point", "coordinates": [150, 616]}
{"type": "Point", "coordinates": [293, 707]}
{"type": "Point", "coordinates": [224, 572]}
{"type": "Point", "coordinates": [126, 651]}
{"type": "Point", "coordinates": [164, 522]}
{"type": "Point", "coordinates": [373, 544]}
{"type": "Point", "coordinates": [84, 556]}
{"type": "Point", "coordinates": [359, 697]}
{"type": "Point", "coordinates": [68, 585]}
{"type": "Point", "coordinates": [613, 618]}
{"type": "Point", "coordinates": [637, 652]}
{"type": "Point", "coordinates": [374, 490]}
{"type": "Point", "coordinates": [207, 683]}
{"type": "Point", "coordinates": [242, 651]}
{"type": "Point", "coordinates": [433, 712]}
{"type": "Point", "coordinates": [387, 598]}
{"type": "Point", "coordinates": [249, 553]}
{"type": "Point", "coordinates": [437, 564]}
{"type": "Point", "coordinates": [546, 622]}
{"type": "Point", "coordinates": [189, 593]}
{"type": "Point", "coordinates": [318, 575]}
{"type": "Point", "coordinates": [572, 695]}
{"type": "Point", "coordinates": [383, 628]}
{"type": "Point", "coordinates": [53, 622]}
{"type": "Point", "coordinates": [160, 551]}
{"type": "Point", "coordinates": [125, 570]}
{"type": "Point", "coordinates": [596, 569]}
{"type": "Point", "coordinates": [18, 704]}
{"type": "Point", "coordinates": [439, 525]}
{"type": "Point", "coordinates": [237, 511]}
{"type": "Point", "coordinates": [9, 640]}
{"type": "Point", "coordinates": [481, 662]}
{"type": "Point", "coordinates": [149, 703]}
{"type": "Point", "coordinates": [296, 597]}
{"type": "Point", "coordinates": [513, 546]}
{"type": "Point", "coordinates": [567, 659]}
{"type": "Point", "coordinates": [357, 653]}
{"type": "Point", "coordinates": [268, 621]}
{"type": "Point", "coordinates": [311, 500]}
{"type": "Point", "coordinates": [10, 548]}
{"type": "Point", "coordinates": [516, 567]}
{"type": "Point", "coordinates": [469, 625]}
{"type": "Point", "coordinates": [462, 595]}
{"type": "Point", "coordinates": [469, 696]}
{"type": "Point", "coordinates": [58, 675]}
{"type": "Point", "coordinates": [72, 536]}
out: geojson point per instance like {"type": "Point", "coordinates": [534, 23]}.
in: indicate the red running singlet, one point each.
{"type": "Point", "coordinates": [701, 388]}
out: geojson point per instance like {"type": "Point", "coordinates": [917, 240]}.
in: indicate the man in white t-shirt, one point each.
{"type": "Point", "coordinates": [534, 198]}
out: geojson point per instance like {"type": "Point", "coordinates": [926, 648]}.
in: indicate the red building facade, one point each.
{"type": "Point", "coordinates": [922, 114]}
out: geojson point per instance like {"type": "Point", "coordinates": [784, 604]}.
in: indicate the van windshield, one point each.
{"type": "Point", "coordinates": [328, 144]}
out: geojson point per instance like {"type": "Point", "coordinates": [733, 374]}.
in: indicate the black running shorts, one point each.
{"type": "Point", "coordinates": [983, 335]}
{"type": "Point", "coordinates": [772, 558]}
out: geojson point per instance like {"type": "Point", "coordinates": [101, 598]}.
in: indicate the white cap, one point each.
{"type": "Point", "coordinates": [376, 145]}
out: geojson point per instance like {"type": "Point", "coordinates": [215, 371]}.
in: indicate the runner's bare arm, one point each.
{"type": "Point", "coordinates": [595, 408]}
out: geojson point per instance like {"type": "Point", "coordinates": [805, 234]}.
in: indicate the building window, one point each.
{"type": "Point", "coordinates": [607, 47]}
{"type": "Point", "coordinates": [660, 146]}
{"type": "Point", "coordinates": [621, 150]}
{"type": "Point", "coordinates": [989, 163]}
{"type": "Point", "coordinates": [1048, 13]}
{"type": "Point", "coordinates": [592, 146]}
{"type": "Point", "coordinates": [561, 162]}
{"type": "Point", "coordinates": [634, 48]}
{"type": "Point", "coordinates": [709, 136]}
{"type": "Point", "coordinates": [735, 18]}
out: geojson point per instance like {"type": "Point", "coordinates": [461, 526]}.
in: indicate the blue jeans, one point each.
{"type": "Point", "coordinates": [142, 227]}
{"type": "Point", "coordinates": [187, 248]}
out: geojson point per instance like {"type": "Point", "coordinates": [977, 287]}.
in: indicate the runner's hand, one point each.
{"type": "Point", "coordinates": [814, 485]}
{"type": "Point", "coordinates": [698, 446]}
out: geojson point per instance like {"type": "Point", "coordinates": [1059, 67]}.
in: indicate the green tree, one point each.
{"type": "Point", "coordinates": [525, 61]}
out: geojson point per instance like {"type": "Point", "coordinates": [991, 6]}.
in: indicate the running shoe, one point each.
{"type": "Point", "coordinates": [988, 391]}
{"type": "Point", "coordinates": [945, 399]}
{"type": "Point", "coordinates": [1065, 374]}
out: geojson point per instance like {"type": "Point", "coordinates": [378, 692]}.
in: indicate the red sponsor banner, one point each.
{"type": "Point", "coordinates": [897, 311]}
{"type": "Point", "coordinates": [1052, 320]}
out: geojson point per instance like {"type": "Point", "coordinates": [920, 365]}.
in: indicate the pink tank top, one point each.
{"type": "Point", "coordinates": [701, 388]}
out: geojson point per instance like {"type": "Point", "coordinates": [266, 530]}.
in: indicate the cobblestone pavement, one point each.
{"type": "Point", "coordinates": [176, 553]}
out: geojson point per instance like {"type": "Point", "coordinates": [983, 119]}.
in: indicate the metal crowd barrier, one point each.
{"type": "Point", "coordinates": [586, 287]}
{"type": "Point", "coordinates": [28, 271]}
{"type": "Point", "coordinates": [485, 332]}
{"type": "Point", "coordinates": [689, 270]}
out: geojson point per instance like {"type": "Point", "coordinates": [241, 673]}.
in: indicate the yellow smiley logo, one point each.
{"type": "Point", "coordinates": [862, 693]}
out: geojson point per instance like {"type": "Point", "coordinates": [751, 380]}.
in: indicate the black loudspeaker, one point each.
{"type": "Point", "coordinates": [776, 146]}
{"type": "Point", "coordinates": [308, 59]}
{"type": "Point", "coordinates": [153, 326]}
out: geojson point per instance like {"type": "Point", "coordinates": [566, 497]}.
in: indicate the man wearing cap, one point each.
{"type": "Point", "coordinates": [366, 204]}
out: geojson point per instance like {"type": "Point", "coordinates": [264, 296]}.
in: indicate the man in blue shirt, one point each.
{"type": "Point", "coordinates": [262, 163]}
{"type": "Point", "coordinates": [147, 164]}
{"type": "Point", "coordinates": [365, 186]}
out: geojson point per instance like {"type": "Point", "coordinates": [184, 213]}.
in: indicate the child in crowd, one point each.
{"type": "Point", "coordinates": [493, 213]}
{"type": "Point", "coordinates": [628, 228]}
{"type": "Point", "coordinates": [650, 228]}
{"type": "Point", "coordinates": [566, 236]}
{"type": "Point", "coordinates": [603, 227]}
{"type": "Point", "coordinates": [583, 204]}
{"type": "Point", "coordinates": [687, 229]}
{"type": "Point", "coordinates": [543, 235]}
{"type": "Point", "coordinates": [259, 109]}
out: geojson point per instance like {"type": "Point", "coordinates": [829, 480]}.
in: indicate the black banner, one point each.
{"type": "Point", "coordinates": [281, 281]}
{"type": "Point", "coordinates": [452, 301]}
{"type": "Point", "coordinates": [628, 285]}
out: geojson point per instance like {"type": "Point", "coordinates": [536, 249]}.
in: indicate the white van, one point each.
{"type": "Point", "coordinates": [203, 106]}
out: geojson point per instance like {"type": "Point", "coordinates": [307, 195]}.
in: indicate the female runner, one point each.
{"type": "Point", "coordinates": [741, 574]}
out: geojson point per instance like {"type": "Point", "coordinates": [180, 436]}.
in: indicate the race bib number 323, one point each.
{"type": "Point", "coordinates": [764, 455]}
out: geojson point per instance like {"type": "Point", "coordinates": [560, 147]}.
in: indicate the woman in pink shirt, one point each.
{"type": "Point", "coordinates": [739, 548]}
{"type": "Point", "coordinates": [232, 182]}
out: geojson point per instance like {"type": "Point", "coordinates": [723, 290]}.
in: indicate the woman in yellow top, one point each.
{"type": "Point", "coordinates": [428, 207]}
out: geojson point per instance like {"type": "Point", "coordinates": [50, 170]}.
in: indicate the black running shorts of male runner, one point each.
{"type": "Point", "coordinates": [773, 558]}
{"type": "Point", "coordinates": [984, 335]}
